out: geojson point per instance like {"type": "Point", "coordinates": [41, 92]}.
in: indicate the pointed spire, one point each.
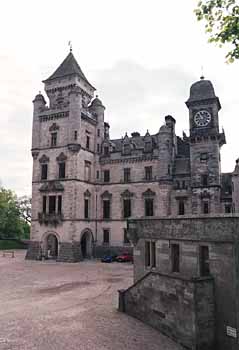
{"type": "Point", "coordinates": [67, 68]}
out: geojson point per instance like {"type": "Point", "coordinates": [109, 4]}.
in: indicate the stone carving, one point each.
{"type": "Point", "coordinates": [148, 193]}
{"type": "Point", "coordinates": [54, 127]}
{"type": "Point", "coordinates": [51, 186]}
{"type": "Point", "coordinates": [44, 159]}
{"type": "Point", "coordinates": [61, 158]}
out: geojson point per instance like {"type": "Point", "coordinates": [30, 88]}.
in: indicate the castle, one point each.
{"type": "Point", "coordinates": [86, 185]}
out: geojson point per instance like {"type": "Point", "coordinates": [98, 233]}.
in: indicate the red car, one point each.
{"type": "Point", "coordinates": [125, 257]}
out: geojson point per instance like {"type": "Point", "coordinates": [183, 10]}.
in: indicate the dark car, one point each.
{"type": "Point", "coordinates": [108, 258]}
{"type": "Point", "coordinates": [125, 257]}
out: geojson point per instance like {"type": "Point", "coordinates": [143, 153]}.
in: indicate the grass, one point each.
{"type": "Point", "coordinates": [10, 244]}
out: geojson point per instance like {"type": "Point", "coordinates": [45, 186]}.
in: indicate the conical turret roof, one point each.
{"type": "Point", "coordinates": [68, 67]}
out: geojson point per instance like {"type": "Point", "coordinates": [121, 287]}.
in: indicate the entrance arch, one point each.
{"type": "Point", "coordinates": [86, 244]}
{"type": "Point", "coordinates": [51, 246]}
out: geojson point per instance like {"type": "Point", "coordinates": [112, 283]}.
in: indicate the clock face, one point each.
{"type": "Point", "coordinates": [202, 118]}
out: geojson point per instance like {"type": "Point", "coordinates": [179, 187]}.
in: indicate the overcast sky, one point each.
{"type": "Point", "coordinates": [142, 56]}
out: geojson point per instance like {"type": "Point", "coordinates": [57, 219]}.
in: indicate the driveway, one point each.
{"type": "Point", "coordinates": [59, 306]}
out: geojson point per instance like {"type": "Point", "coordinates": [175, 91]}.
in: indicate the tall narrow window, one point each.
{"type": "Point", "coordinates": [204, 260]}
{"type": "Point", "coordinates": [87, 142]}
{"type": "Point", "coordinates": [59, 205]}
{"type": "Point", "coordinates": [86, 208]}
{"type": "Point", "coordinates": [181, 207]}
{"type": "Point", "coordinates": [44, 171]}
{"type": "Point", "coordinates": [87, 171]}
{"type": "Point", "coordinates": [147, 253]}
{"type": "Point", "coordinates": [126, 240]}
{"type": "Point", "coordinates": [98, 148]}
{"type": "Point", "coordinates": [106, 236]}
{"type": "Point", "coordinates": [97, 174]}
{"type": "Point", "coordinates": [204, 180]}
{"type": "Point", "coordinates": [106, 209]}
{"type": "Point", "coordinates": [127, 207]}
{"type": "Point", "coordinates": [98, 132]}
{"type": "Point", "coordinates": [52, 204]}
{"type": "Point", "coordinates": [148, 173]}
{"type": "Point", "coordinates": [44, 204]}
{"type": "Point", "coordinates": [153, 254]}
{"type": "Point", "coordinates": [53, 139]}
{"type": "Point", "coordinates": [106, 176]}
{"type": "Point", "coordinates": [75, 135]}
{"type": "Point", "coordinates": [175, 257]}
{"type": "Point", "coordinates": [205, 207]}
{"type": "Point", "coordinates": [149, 206]}
{"type": "Point", "coordinates": [126, 174]}
{"type": "Point", "coordinates": [62, 170]}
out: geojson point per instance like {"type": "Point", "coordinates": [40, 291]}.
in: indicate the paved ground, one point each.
{"type": "Point", "coordinates": [49, 305]}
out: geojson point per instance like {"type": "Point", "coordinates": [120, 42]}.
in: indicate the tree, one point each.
{"type": "Point", "coordinates": [24, 205]}
{"type": "Point", "coordinates": [11, 223]}
{"type": "Point", "coordinates": [222, 24]}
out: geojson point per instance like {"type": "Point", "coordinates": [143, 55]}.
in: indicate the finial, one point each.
{"type": "Point", "coordinates": [202, 75]}
{"type": "Point", "coordinates": [39, 92]}
{"type": "Point", "coordinates": [70, 45]}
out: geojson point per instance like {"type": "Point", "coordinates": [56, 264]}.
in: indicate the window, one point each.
{"type": "Point", "coordinates": [204, 261]}
{"type": "Point", "coordinates": [44, 204]}
{"type": "Point", "coordinates": [106, 176]}
{"type": "Point", "coordinates": [87, 171]}
{"type": "Point", "coordinates": [169, 169]}
{"type": "Point", "coordinates": [147, 253]}
{"type": "Point", "coordinates": [75, 135]}
{"type": "Point", "coordinates": [127, 175]}
{"type": "Point", "coordinates": [148, 173]}
{"type": "Point", "coordinates": [204, 180]}
{"type": "Point", "coordinates": [181, 208]}
{"type": "Point", "coordinates": [98, 148]}
{"type": "Point", "coordinates": [86, 209]}
{"type": "Point", "coordinates": [97, 174]}
{"type": "Point", "coordinates": [59, 205]}
{"type": "Point", "coordinates": [175, 257]}
{"type": "Point", "coordinates": [126, 240]}
{"type": "Point", "coordinates": [62, 170]}
{"type": "Point", "coordinates": [149, 206]}
{"type": "Point", "coordinates": [44, 170]}
{"type": "Point", "coordinates": [98, 132]}
{"type": "Point", "coordinates": [106, 150]}
{"type": "Point", "coordinates": [184, 185]}
{"type": "Point", "coordinates": [153, 254]}
{"type": "Point", "coordinates": [87, 142]}
{"type": "Point", "coordinates": [205, 207]}
{"type": "Point", "coordinates": [127, 149]}
{"type": "Point", "coordinates": [228, 208]}
{"type": "Point", "coordinates": [52, 204]}
{"type": "Point", "coordinates": [127, 207]}
{"type": "Point", "coordinates": [148, 146]}
{"type": "Point", "coordinates": [203, 157]}
{"type": "Point", "coordinates": [106, 236]}
{"type": "Point", "coordinates": [106, 209]}
{"type": "Point", "coordinates": [53, 139]}
{"type": "Point", "coordinates": [150, 254]}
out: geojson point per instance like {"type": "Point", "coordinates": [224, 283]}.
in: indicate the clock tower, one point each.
{"type": "Point", "coordinates": [205, 143]}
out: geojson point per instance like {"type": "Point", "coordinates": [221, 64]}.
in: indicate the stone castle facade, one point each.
{"type": "Point", "coordinates": [85, 185]}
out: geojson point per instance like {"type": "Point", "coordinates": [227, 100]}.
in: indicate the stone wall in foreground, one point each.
{"type": "Point", "coordinates": [181, 308]}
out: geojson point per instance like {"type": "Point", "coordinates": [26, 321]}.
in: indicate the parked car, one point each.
{"type": "Point", "coordinates": [125, 257]}
{"type": "Point", "coordinates": [108, 258]}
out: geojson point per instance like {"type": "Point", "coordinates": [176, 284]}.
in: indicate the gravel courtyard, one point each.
{"type": "Point", "coordinates": [58, 306]}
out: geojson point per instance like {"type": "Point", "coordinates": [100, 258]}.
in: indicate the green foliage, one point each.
{"type": "Point", "coordinates": [8, 244]}
{"type": "Point", "coordinates": [222, 24]}
{"type": "Point", "coordinates": [12, 225]}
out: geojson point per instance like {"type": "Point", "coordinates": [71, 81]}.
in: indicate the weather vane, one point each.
{"type": "Point", "coordinates": [70, 45]}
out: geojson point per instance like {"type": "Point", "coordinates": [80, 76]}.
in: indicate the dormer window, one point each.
{"type": "Point", "coordinates": [54, 139]}
{"type": "Point", "coordinates": [148, 146]}
{"type": "Point", "coordinates": [126, 149]}
{"type": "Point", "coordinates": [106, 151]}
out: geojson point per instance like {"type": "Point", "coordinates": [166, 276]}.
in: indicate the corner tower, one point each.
{"type": "Point", "coordinates": [205, 143]}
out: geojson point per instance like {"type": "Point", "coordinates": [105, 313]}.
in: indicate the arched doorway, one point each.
{"type": "Point", "coordinates": [86, 244]}
{"type": "Point", "coordinates": [51, 247]}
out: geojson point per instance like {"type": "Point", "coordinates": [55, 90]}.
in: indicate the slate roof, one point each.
{"type": "Point", "coordinates": [68, 67]}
